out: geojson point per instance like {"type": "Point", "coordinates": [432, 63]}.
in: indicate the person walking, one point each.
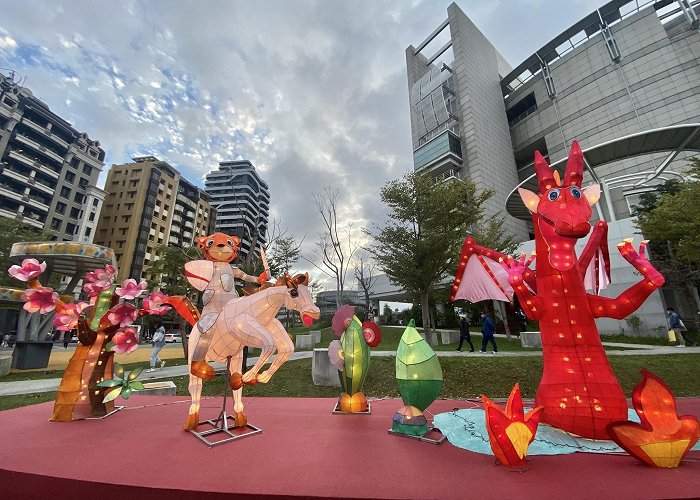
{"type": "Point", "coordinates": [487, 330]}
{"type": "Point", "coordinates": [66, 338]}
{"type": "Point", "coordinates": [679, 330]}
{"type": "Point", "coordinates": [158, 343]}
{"type": "Point", "coordinates": [464, 333]}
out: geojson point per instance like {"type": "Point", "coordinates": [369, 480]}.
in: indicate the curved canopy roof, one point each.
{"type": "Point", "coordinates": [672, 139]}
{"type": "Point", "coordinates": [66, 258]}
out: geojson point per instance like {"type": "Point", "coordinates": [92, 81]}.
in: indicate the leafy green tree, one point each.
{"type": "Point", "coordinates": [419, 246]}
{"type": "Point", "coordinates": [168, 274]}
{"type": "Point", "coordinates": [283, 254]}
{"type": "Point", "coordinates": [670, 218]}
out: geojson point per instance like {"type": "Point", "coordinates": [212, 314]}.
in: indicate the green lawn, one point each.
{"type": "Point", "coordinates": [465, 377]}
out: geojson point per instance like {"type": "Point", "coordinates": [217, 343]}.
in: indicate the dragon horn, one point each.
{"type": "Point", "coordinates": [574, 166]}
{"type": "Point", "coordinates": [545, 179]}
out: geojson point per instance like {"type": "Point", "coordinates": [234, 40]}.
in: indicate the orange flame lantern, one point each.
{"type": "Point", "coordinates": [662, 438]}
{"type": "Point", "coordinates": [512, 431]}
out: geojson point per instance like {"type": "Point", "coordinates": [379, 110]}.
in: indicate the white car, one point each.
{"type": "Point", "coordinates": [172, 337]}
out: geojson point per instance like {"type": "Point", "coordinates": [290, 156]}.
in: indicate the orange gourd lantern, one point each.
{"type": "Point", "coordinates": [662, 438]}
{"type": "Point", "coordinates": [511, 431]}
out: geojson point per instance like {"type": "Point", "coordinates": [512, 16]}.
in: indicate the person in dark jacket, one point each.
{"type": "Point", "coordinates": [675, 324]}
{"type": "Point", "coordinates": [488, 329]}
{"type": "Point", "coordinates": [464, 333]}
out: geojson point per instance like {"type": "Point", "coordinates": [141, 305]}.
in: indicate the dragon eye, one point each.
{"type": "Point", "coordinates": [294, 293]}
{"type": "Point", "coordinates": [229, 243]}
{"type": "Point", "coordinates": [553, 195]}
{"type": "Point", "coordinates": [575, 192]}
{"type": "Point", "coordinates": [210, 243]}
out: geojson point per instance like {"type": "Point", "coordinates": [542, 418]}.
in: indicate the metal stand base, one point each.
{"type": "Point", "coordinates": [116, 409]}
{"type": "Point", "coordinates": [423, 438]}
{"type": "Point", "coordinates": [221, 423]}
{"type": "Point", "coordinates": [338, 411]}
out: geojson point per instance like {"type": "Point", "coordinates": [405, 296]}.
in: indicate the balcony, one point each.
{"type": "Point", "coordinates": [26, 158]}
{"type": "Point", "coordinates": [39, 147]}
{"type": "Point", "coordinates": [45, 132]}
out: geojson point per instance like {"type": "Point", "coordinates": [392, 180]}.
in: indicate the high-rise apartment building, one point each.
{"type": "Point", "coordinates": [242, 201]}
{"type": "Point", "coordinates": [149, 204]}
{"type": "Point", "coordinates": [48, 170]}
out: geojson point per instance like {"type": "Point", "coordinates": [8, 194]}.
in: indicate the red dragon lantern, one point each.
{"type": "Point", "coordinates": [578, 390]}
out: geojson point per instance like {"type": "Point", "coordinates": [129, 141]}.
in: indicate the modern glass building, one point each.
{"type": "Point", "coordinates": [242, 201]}
{"type": "Point", "coordinates": [627, 68]}
{"type": "Point", "coordinates": [623, 81]}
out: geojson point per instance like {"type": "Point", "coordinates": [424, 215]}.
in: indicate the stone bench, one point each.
{"type": "Point", "coordinates": [323, 372]}
{"type": "Point", "coordinates": [316, 334]}
{"type": "Point", "coordinates": [531, 339]}
{"type": "Point", "coordinates": [303, 341]}
{"type": "Point", "coordinates": [449, 337]}
{"type": "Point", "coordinates": [163, 388]}
{"type": "Point", "coordinates": [5, 364]}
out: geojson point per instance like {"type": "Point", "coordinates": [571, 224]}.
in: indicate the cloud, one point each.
{"type": "Point", "coordinates": [313, 93]}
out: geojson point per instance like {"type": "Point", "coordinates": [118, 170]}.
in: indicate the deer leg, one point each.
{"type": "Point", "coordinates": [250, 332]}
{"type": "Point", "coordinates": [285, 348]}
{"type": "Point", "coordinates": [236, 367]}
{"type": "Point", "coordinates": [195, 388]}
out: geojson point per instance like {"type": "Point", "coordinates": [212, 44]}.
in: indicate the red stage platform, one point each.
{"type": "Point", "coordinates": [304, 451]}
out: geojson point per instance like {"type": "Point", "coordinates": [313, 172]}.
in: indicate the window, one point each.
{"type": "Point", "coordinates": [91, 217]}
{"type": "Point", "coordinates": [83, 182]}
{"type": "Point", "coordinates": [56, 224]}
{"type": "Point", "coordinates": [88, 230]}
{"type": "Point", "coordinates": [65, 192]}
{"type": "Point", "coordinates": [87, 169]}
{"type": "Point", "coordinates": [75, 213]}
{"type": "Point", "coordinates": [60, 208]}
{"type": "Point", "coordinates": [71, 228]}
{"type": "Point", "coordinates": [70, 176]}
{"type": "Point", "coordinates": [95, 202]}
{"type": "Point", "coordinates": [79, 198]}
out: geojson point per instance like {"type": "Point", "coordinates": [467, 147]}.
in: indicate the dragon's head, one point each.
{"type": "Point", "coordinates": [561, 210]}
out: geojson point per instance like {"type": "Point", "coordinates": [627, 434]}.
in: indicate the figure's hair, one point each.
{"type": "Point", "coordinates": [670, 309]}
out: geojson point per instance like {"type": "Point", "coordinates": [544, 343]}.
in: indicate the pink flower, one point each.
{"type": "Point", "coordinates": [42, 299]}
{"type": "Point", "coordinates": [125, 341]}
{"type": "Point", "coordinates": [122, 314]}
{"type": "Point", "coordinates": [153, 304]}
{"type": "Point", "coordinates": [29, 270]}
{"type": "Point", "coordinates": [130, 290]}
{"type": "Point", "coordinates": [67, 318]}
{"type": "Point", "coordinates": [93, 289]}
{"type": "Point", "coordinates": [99, 280]}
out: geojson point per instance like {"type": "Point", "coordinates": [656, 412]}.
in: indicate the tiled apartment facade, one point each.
{"type": "Point", "coordinates": [144, 210]}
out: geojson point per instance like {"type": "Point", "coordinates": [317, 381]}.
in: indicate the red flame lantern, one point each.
{"type": "Point", "coordinates": [662, 438]}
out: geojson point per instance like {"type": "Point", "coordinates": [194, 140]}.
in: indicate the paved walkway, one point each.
{"type": "Point", "coordinates": [51, 384]}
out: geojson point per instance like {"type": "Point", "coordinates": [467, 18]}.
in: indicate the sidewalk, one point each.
{"type": "Point", "coordinates": [48, 385]}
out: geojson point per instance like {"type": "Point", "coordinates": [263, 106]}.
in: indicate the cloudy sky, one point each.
{"type": "Point", "coordinates": [314, 93]}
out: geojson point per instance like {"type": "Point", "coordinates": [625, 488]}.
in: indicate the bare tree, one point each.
{"type": "Point", "coordinates": [335, 247]}
{"type": "Point", "coordinates": [366, 275]}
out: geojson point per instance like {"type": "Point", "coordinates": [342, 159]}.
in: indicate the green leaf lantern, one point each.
{"type": "Point", "coordinates": [350, 355]}
{"type": "Point", "coordinates": [419, 377]}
